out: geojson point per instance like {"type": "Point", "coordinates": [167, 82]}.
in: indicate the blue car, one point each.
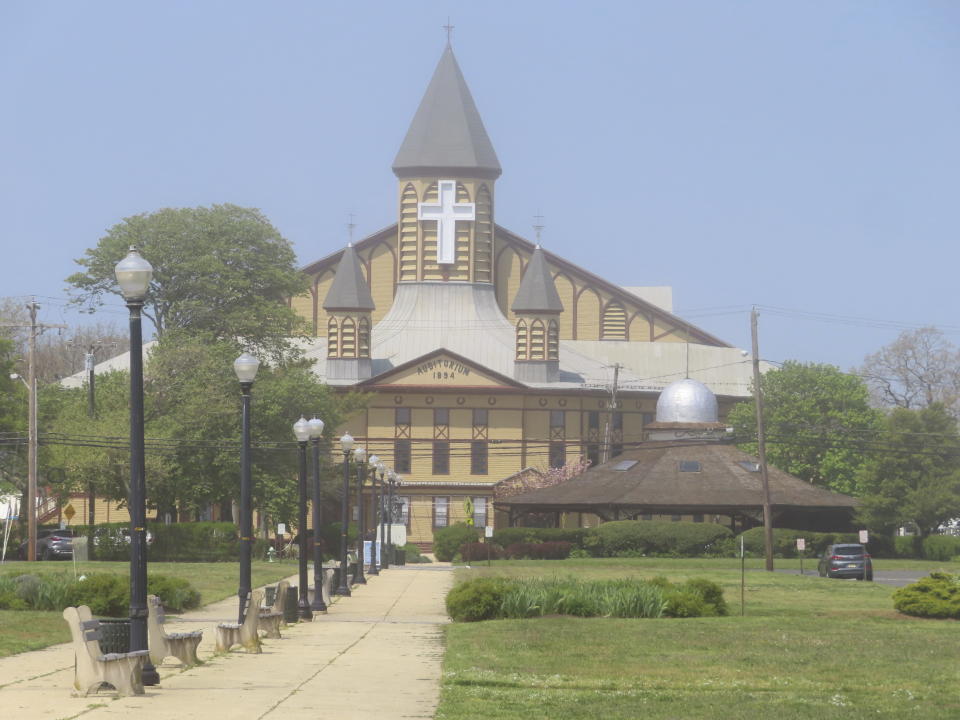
{"type": "Point", "coordinates": [846, 560]}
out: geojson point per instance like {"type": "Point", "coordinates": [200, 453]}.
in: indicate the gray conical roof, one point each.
{"type": "Point", "coordinates": [349, 290]}
{"type": "Point", "coordinates": [447, 133]}
{"type": "Point", "coordinates": [537, 292]}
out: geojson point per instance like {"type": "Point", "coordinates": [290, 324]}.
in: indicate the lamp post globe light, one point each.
{"type": "Point", "coordinates": [360, 458]}
{"type": "Point", "coordinates": [133, 276]}
{"type": "Point", "coordinates": [316, 432]}
{"type": "Point", "coordinates": [373, 464]}
{"type": "Point", "coordinates": [245, 367]}
{"type": "Point", "coordinates": [346, 444]}
{"type": "Point", "coordinates": [301, 430]}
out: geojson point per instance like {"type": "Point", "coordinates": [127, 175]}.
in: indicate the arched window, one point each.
{"type": "Point", "coordinates": [348, 338]}
{"type": "Point", "coordinates": [522, 348]}
{"type": "Point", "coordinates": [537, 341]}
{"type": "Point", "coordinates": [553, 340]}
{"type": "Point", "coordinates": [333, 338]}
{"type": "Point", "coordinates": [363, 338]}
{"type": "Point", "coordinates": [614, 325]}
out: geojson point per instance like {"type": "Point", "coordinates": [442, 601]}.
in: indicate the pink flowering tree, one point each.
{"type": "Point", "coordinates": [537, 478]}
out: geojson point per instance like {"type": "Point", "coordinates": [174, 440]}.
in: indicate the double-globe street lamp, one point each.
{"type": "Point", "coordinates": [374, 464]}
{"type": "Point", "coordinates": [346, 444]}
{"type": "Point", "coordinates": [316, 433]}
{"type": "Point", "coordinates": [301, 429]}
{"type": "Point", "coordinates": [384, 553]}
{"type": "Point", "coordinates": [245, 367]}
{"type": "Point", "coordinates": [360, 458]}
{"type": "Point", "coordinates": [133, 276]}
{"type": "Point", "coordinates": [395, 481]}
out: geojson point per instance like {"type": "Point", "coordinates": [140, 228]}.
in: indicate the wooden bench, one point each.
{"type": "Point", "coordinates": [230, 634]}
{"type": "Point", "coordinates": [182, 646]}
{"type": "Point", "coordinates": [92, 668]}
{"type": "Point", "coordinates": [271, 618]}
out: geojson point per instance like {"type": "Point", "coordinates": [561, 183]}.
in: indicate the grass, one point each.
{"type": "Point", "coordinates": [807, 648]}
{"type": "Point", "coordinates": [21, 631]}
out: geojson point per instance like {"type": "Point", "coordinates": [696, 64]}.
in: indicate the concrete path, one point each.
{"type": "Point", "coordinates": [376, 654]}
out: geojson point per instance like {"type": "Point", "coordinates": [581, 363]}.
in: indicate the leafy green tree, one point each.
{"type": "Point", "coordinates": [818, 423]}
{"type": "Point", "coordinates": [914, 477]}
{"type": "Point", "coordinates": [13, 420]}
{"type": "Point", "coordinates": [222, 270]}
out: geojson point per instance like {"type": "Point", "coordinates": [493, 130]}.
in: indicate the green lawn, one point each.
{"type": "Point", "coordinates": [30, 630]}
{"type": "Point", "coordinates": [807, 647]}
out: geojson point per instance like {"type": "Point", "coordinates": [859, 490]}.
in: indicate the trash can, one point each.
{"type": "Point", "coordinates": [271, 595]}
{"type": "Point", "coordinates": [114, 635]}
{"type": "Point", "coordinates": [290, 604]}
{"type": "Point", "coordinates": [400, 556]}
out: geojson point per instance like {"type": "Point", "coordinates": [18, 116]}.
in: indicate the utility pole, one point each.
{"type": "Point", "coordinates": [613, 409]}
{"type": "Point", "coordinates": [32, 435]}
{"type": "Point", "coordinates": [761, 444]}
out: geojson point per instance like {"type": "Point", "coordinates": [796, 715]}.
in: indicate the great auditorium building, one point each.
{"type": "Point", "coordinates": [485, 354]}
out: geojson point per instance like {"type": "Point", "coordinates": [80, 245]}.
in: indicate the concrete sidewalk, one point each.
{"type": "Point", "coordinates": [375, 654]}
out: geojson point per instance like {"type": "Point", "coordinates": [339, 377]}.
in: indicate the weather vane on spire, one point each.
{"type": "Point", "coordinates": [538, 226]}
{"type": "Point", "coordinates": [449, 28]}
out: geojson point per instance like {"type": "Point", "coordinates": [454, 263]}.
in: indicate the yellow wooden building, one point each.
{"type": "Point", "coordinates": [486, 354]}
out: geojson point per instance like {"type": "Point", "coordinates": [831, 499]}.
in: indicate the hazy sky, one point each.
{"type": "Point", "coordinates": [793, 155]}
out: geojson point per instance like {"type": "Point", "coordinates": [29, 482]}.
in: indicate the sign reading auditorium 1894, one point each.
{"type": "Point", "coordinates": [442, 369]}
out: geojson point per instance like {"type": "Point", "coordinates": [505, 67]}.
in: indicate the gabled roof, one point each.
{"type": "Point", "coordinates": [467, 364]}
{"type": "Point", "coordinates": [537, 292]}
{"type": "Point", "coordinates": [447, 132]}
{"type": "Point", "coordinates": [349, 290]}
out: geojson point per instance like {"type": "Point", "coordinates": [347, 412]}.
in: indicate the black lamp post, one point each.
{"type": "Point", "coordinates": [384, 555]}
{"type": "Point", "coordinates": [393, 483]}
{"type": "Point", "coordinates": [360, 458]}
{"type": "Point", "coordinates": [346, 444]}
{"type": "Point", "coordinates": [134, 275]}
{"type": "Point", "coordinates": [374, 515]}
{"type": "Point", "coordinates": [301, 429]}
{"type": "Point", "coordinates": [316, 432]}
{"type": "Point", "coordinates": [245, 367]}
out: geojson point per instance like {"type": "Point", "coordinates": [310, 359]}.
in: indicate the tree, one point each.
{"type": "Point", "coordinates": [223, 270]}
{"type": "Point", "coordinates": [918, 369]}
{"type": "Point", "coordinates": [915, 477]}
{"type": "Point", "coordinates": [818, 423]}
{"type": "Point", "coordinates": [537, 478]}
{"type": "Point", "coordinates": [13, 421]}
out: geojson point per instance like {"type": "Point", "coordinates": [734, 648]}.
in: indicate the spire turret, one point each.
{"type": "Point", "coordinates": [447, 136]}
{"type": "Point", "coordinates": [537, 306]}
{"type": "Point", "coordinates": [537, 292]}
{"type": "Point", "coordinates": [349, 304]}
{"type": "Point", "coordinates": [349, 290]}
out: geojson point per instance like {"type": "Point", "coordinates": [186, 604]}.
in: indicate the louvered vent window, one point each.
{"type": "Point", "coordinates": [408, 234]}
{"type": "Point", "coordinates": [553, 340]}
{"type": "Point", "coordinates": [333, 339]}
{"type": "Point", "coordinates": [691, 466]}
{"type": "Point", "coordinates": [523, 352]}
{"type": "Point", "coordinates": [363, 338]}
{"type": "Point", "coordinates": [483, 238]}
{"type": "Point", "coordinates": [614, 326]}
{"type": "Point", "coordinates": [348, 338]}
{"type": "Point", "coordinates": [537, 340]}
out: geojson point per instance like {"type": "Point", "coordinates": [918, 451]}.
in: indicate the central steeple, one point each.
{"type": "Point", "coordinates": [446, 168]}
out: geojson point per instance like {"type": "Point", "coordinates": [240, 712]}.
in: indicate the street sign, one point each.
{"type": "Point", "coordinates": [282, 529]}
{"type": "Point", "coordinates": [801, 544]}
{"type": "Point", "coordinates": [69, 512]}
{"type": "Point", "coordinates": [864, 536]}
{"type": "Point", "coordinates": [488, 531]}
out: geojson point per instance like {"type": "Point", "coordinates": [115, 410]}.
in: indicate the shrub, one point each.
{"type": "Point", "coordinates": [711, 593]}
{"type": "Point", "coordinates": [676, 539]}
{"type": "Point", "coordinates": [27, 588]}
{"type": "Point", "coordinates": [557, 550]}
{"type": "Point", "coordinates": [509, 536]}
{"type": "Point", "coordinates": [413, 554]}
{"type": "Point", "coordinates": [447, 541]}
{"type": "Point", "coordinates": [105, 594]}
{"type": "Point", "coordinates": [478, 599]}
{"type": "Point", "coordinates": [176, 594]}
{"type": "Point", "coordinates": [937, 596]}
{"type": "Point", "coordinates": [474, 551]}
{"type": "Point", "coordinates": [941, 547]}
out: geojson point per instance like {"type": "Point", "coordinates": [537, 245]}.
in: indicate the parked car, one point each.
{"type": "Point", "coordinates": [51, 545]}
{"type": "Point", "coordinates": [117, 535]}
{"type": "Point", "coordinates": [846, 561]}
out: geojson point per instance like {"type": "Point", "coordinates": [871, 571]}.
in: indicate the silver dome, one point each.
{"type": "Point", "coordinates": [687, 401]}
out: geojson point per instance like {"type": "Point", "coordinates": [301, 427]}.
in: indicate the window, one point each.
{"type": "Point", "coordinates": [617, 421]}
{"type": "Point", "coordinates": [348, 338]}
{"type": "Point", "coordinates": [690, 466]}
{"type": "Point", "coordinates": [553, 340]}
{"type": "Point", "coordinates": [698, 518]}
{"type": "Point", "coordinates": [646, 516]}
{"type": "Point", "coordinates": [522, 348]}
{"type": "Point", "coordinates": [402, 416]}
{"type": "Point", "coordinates": [401, 456]}
{"type": "Point", "coordinates": [593, 454]}
{"type": "Point", "coordinates": [648, 418]}
{"type": "Point", "coordinates": [557, 420]}
{"type": "Point", "coordinates": [441, 507]}
{"type": "Point", "coordinates": [558, 454]}
{"type": "Point", "coordinates": [675, 518]}
{"type": "Point", "coordinates": [363, 338]}
{"type": "Point", "coordinates": [478, 457]}
{"type": "Point", "coordinates": [441, 416]}
{"type": "Point", "coordinates": [333, 338]}
{"type": "Point", "coordinates": [593, 420]}
{"type": "Point", "coordinates": [481, 417]}
{"type": "Point", "coordinates": [537, 340]}
{"type": "Point", "coordinates": [479, 512]}
{"type": "Point", "coordinates": [614, 323]}
{"type": "Point", "coordinates": [441, 457]}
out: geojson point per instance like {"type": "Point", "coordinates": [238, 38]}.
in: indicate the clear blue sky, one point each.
{"type": "Point", "coordinates": [795, 155]}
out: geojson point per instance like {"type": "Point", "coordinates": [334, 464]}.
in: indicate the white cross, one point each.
{"type": "Point", "coordinates": [446, 213]}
